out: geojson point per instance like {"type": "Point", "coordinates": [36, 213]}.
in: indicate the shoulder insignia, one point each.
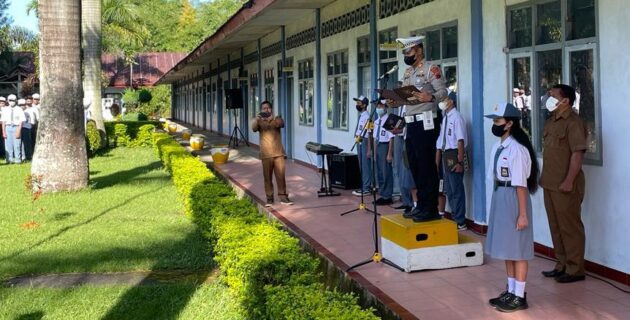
{"type": "Point", "coordinates": [435, 70]}
{"type": "Point", "coordinates": [408, 72]}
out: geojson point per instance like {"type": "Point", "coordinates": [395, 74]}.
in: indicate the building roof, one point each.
{"type": "Point", "coordinates": [147, 68]}
{"type": "Point", "coordinates": [22, 65]}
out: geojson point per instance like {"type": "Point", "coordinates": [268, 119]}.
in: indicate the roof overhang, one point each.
{"type": "Point", "coordinates": [253, 21]}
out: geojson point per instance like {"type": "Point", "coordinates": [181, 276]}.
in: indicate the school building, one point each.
{"type": "Point", "coordinates": [310, 58]}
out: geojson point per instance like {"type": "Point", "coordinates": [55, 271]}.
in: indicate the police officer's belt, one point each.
{"type": "Point", "coordinates": [417, 117]}
{"type": "Point", "coordinates": [507, 184]}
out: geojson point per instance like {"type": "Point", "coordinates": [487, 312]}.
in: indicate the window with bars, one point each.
{"type": "Point", "coordinates": [363, 67]}
{"type": "Point", "coordinates": [555, 42]}
{"type": "Point", "coordinates": [306, 89]}
{"type": "Point", "coordinates": [337, 104]}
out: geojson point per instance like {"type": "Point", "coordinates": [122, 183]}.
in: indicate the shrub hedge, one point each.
{"type": "Point", "coordinates": [130, 133]}
{"type": "Point", "coordinates": [93, 137]}
{"type": "Point", "coordinates": [263, 265]}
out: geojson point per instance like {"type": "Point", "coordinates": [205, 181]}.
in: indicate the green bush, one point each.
{"type": "Point", "coordinates": [144, 96]}
{"type": "Point", "coordinates": [93, 137]}
{"type": "Point", "coordinates": [144, 136]}
{"type": "Point", "coordinates": [262, 264]}
{"type": "Point", "coordinates": [121, 137]}
{"type": "Point", "coordinates": [134, 116]}
{"type": "Point", "coordinates": [133, 131]}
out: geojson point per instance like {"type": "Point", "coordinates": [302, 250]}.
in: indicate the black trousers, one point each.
{"type": "Point", "coordinates": [421, 150]}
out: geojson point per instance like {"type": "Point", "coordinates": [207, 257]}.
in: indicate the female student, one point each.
{"type": "Point", "coordinates": [514, 172]}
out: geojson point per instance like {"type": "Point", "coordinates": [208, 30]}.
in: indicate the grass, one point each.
{"type": "Point", "coordinates": [183, 301]}
{"type": "Point", "coordinates": [129, 219]}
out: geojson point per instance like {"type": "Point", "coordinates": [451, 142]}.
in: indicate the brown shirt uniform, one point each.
{"type": "Point", "coordinates": [270, 138]}
{"type": "Point", "coordinates": [564, 134]}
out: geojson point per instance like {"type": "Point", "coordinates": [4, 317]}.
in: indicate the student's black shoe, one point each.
{"type": "Point", "coordinates": [402, 208]}
{"type": "Point", "coordinates": [411, 212]}
{"type": "Point", "coordinates": [285, 200]}
{"type": "Point", "coordinates": [501, 298]}
{"type": "Point", "coordinates": [567, 278]}
{"type": "Point", "coordinates": [513, 303]}
{"type": "Point", "coordinates": [426, 216]}
{"type": "Point", "coordinates": [552, 273]}
{"type": "Point", "coordinates": [269, 203]}
{"type": "Point", "coordinates": [383, 201]}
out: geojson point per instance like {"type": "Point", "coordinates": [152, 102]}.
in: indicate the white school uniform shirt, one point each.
{"type": "Point", "coordinates": [380, 134]}
{"type": "Point", "coordinates": [401, 113]}
{"type": "Point", "coordinates": [13, 116]}
{"type": "Point", "coordinates": [514, 163]}
{"type": "Point", "coordinates": [455, 130]}
{"type": "Point", "coordinates": [36, 108]}
{"type": "Point", "coordinates": [363, 119]}
{"type": "Point", "coordinates": [31, 114]}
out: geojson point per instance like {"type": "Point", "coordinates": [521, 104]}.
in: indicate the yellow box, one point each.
{"type": "Point", "coordinates": [414, 235]}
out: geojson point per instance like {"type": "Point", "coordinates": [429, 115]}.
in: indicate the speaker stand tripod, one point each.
{"type": "Point", "coordinates": [237, 134]}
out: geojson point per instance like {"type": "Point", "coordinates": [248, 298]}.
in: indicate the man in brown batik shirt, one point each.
{"type": "Point", "coordinates": [563, 182]}
{"type": "Point", "coordinates": [271, 152]}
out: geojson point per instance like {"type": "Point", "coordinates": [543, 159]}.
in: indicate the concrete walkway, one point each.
{"type": "Point", "coordinates": [460, 293]}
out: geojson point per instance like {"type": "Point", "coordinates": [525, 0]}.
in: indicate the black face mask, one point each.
{"type": "Point", "coordinates": [498, 130]}
{"type": "Point", "coordinates": [359, 108]}
{"type": "Point", "coordinates": [410, 60]}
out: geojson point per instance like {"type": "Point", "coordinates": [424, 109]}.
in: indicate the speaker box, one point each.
{"type": "Point", "coordinates": [233, 99]}
{"type": "Point", "coordinates": [343, 171]}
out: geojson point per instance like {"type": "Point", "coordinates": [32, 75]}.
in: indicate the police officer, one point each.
{"type": "Point", "coordinates": [422, 131]}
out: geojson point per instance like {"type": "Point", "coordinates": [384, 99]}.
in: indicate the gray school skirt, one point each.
{"type": "Point", "coordinates": [503, 241]}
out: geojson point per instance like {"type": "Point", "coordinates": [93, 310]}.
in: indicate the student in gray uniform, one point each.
{"type": "Point", "coordinates": [384, 146]}
{"type": "Point", "coordinates": [514, 172]}
{"type": "Point", "coordinates": [362, 104]}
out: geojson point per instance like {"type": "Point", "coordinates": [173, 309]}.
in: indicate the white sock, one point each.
{"type": "Point", "coordinates": [511, 284]}
{"type": "Point", "coordinates": [441, 213]}
{"type": "Point", "coordinates": [415, 204]}
{"type": "Point", "coordinates": [519, 289]}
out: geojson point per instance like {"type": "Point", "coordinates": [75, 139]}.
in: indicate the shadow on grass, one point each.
{"type": "Point", "coordinates": [77, 225]}
{"type": "Point", "coordinates": [37, 315]}
{"type": "Point", "coordinates": [125, 176]}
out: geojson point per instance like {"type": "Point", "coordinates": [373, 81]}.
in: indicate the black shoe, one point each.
{"type": "Point", "coordinates": [426, 216]}
{"type": "Point", "coordinates": [552, 273]}
{"type": "Point", "coordinates": [513, 303]}
{"type": "Point", "coordinates": [269, 203]}
{"type": "Point", "coordinates": [501, 298]}
{"type": "Point", "coordinates": [285, 200]}
{"type": "Point", "coordinates": [383, 201]}
{"type": "Point", "coordinates": [411, 212]}
{"type": "Point", "coordinates": [567, 278]}
{"type": "Point", "coordinates": [402, 207]}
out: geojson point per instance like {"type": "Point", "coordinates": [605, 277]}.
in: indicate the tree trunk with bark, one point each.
{"type": "Point", "coordinates": [91, 38]}
{"type": "Point", "coordinates": [60, 161]}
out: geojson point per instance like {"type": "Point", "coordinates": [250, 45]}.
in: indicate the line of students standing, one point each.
{"type": "Point", "coordinates": [19, 118]}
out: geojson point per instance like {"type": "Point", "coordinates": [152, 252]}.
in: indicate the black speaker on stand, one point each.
{"type": "Point", "coordinates": [234, 101]}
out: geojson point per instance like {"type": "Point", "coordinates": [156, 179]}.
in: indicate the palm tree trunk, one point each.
{"type": "Point", "coordinates": [60, 160]}
{"type": "Point", "coordinates": [91, 38]}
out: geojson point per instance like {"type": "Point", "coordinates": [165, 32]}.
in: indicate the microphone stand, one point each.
{"type": "Point", "coordinates": [377, 256]}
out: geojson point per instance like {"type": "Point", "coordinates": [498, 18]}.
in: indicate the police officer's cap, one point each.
{"type": "Point", "coordinates": [12, 97]}
{"type": "Point", "coordinates": [363, 99]}
{"type": "Point", "coordinates": [504, 110]}
{"type": "Point", "coordinates": [407, 44]}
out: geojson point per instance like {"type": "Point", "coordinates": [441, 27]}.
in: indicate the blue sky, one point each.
{"type": "Point", "coordinates": [17, 10]}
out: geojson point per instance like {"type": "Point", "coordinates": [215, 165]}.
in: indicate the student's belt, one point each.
{"type": "Point", "coordinates": [506, 184]}
{"type": "Point", "coordinates": [417, 117]}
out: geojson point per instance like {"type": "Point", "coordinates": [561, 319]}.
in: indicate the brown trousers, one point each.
{"type": "Point", "coordinates": [564, 211]}
{"type": "Point", "coordinates": [274, 166]}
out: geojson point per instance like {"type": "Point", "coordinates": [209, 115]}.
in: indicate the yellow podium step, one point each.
{"type": "Point", "coordinates": [413, 235]}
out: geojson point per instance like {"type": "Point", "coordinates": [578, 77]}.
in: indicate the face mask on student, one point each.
{"type": "Point", "coordinates": [551, 104]}
{"type": "Point", "coordinates": [359, 108]}
{"type": "Point", "coordinates": [498, 130]}
{"type": "Point", "coordinates": [443, 105]}
{"type": "Point", "coordinates": [380, 111]}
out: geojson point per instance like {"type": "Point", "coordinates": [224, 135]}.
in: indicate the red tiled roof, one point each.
{"type": "Point", "coordinates": [147, 68]}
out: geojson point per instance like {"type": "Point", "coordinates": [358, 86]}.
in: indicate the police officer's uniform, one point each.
{"type": "Point", "coordinates": [422, 132]}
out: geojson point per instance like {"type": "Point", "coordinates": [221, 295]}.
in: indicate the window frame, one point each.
{"type": "Point", "coordinates": [304, 79]}
{"type": "Point", "coordinates": [566, 47]}
{"type": "Point", "coordinates": [341, 74]}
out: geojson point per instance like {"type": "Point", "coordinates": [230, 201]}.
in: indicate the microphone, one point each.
{"type": "Point", "coordinates": [392, 70]}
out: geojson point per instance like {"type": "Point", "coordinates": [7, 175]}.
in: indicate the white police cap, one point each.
{"type": "Point", "coordinates": [407, 43]}
{"type": "Point", "coordinates": [36, 96]}
{"type": "Point", "coordinates": [12, 97]}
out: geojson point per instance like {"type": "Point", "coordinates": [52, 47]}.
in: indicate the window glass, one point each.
{"type": "Point", "coordinates": [521, 90]}
{"type": "Point", "coordinates": [520, 27]}
{"type": "Point", "coordinates": [580, 19]}
{"type": "Point", "coordinates": [432, 45]}
{"type": "Point", "coordinates": [449, 45]}
{"type": "Point", "coordinates": [581, 66]}
{"type": "Point", "coordinates": [549, 24]}
{"type": "Point", "coordinates": [549, 74]}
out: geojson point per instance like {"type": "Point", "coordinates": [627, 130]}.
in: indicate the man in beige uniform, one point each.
{"type": "Point", "coordinates": [271, 152]}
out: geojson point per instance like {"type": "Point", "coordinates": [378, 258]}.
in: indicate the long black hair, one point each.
{"type": "Point", "coordinates": [516, 131]}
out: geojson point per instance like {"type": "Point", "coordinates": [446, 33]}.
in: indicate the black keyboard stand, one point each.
{"type": "Point", "coordinates": [325, 189]}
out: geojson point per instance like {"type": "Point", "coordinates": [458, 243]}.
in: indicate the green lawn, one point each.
{"type": "Point", "coordinates": [128, 220]}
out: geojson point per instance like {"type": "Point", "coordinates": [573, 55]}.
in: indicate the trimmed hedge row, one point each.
{"type": "Point", "coordinates": [130, 133]}
{"type": "Point", "coordinates": [261, 263]}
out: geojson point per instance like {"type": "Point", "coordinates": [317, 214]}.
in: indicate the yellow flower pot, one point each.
{"type": "Point", "coordinates": [197, 142]}
{"type": "Point", "coordinates": [172, 128]}
{"type": "Point", "coordinates": [220, 154]}
{"type": "Point", "coordinates": [186, 134]}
